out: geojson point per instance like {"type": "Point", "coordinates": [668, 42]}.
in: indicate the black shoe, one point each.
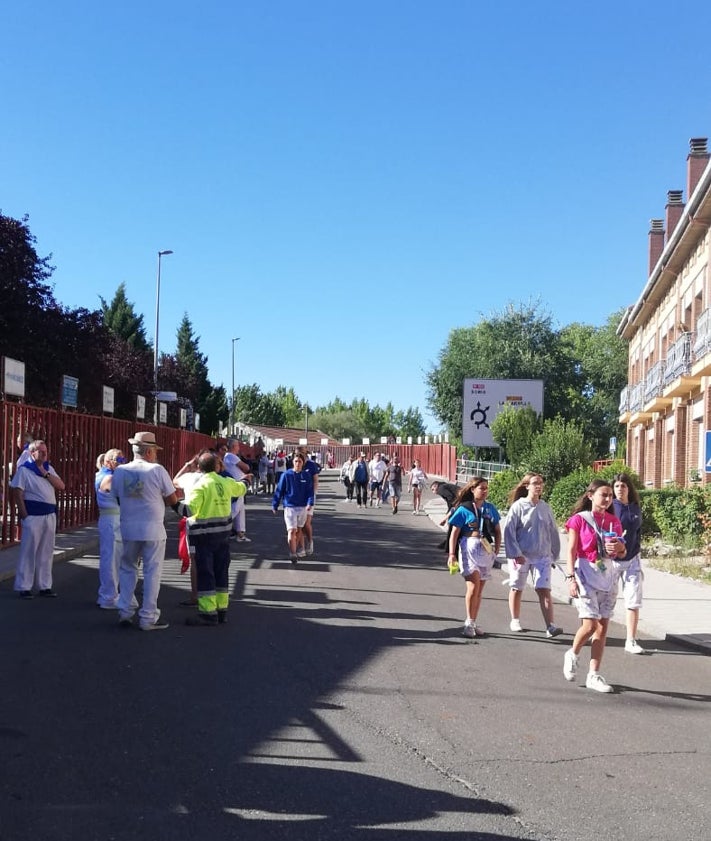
{"type": "Point", "coordinates": [221, 617]}
{"type": "Point", "coordinates": [26, 595]}
{"type": "Point", "coordinates": [187, 603]}
{"type": "Point", "coordinates": [125, 623]}
{"type": "Point", "coordinates": [202, 620]}
{"type": "Point", "coordinates": [47, 594]}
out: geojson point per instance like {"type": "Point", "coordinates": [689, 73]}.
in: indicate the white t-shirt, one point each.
{"type": "Point", "coordinates": [418, 477]}
{"type": "Point", "coordinates": [230, 461]}
{"type": "Point", "coordinates": [141, 487]}
{"type": "Point", "coordinates": [377, 470]}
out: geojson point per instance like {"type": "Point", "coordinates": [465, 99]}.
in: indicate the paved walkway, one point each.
{"type": "Point", "coordinates": [674, 608]}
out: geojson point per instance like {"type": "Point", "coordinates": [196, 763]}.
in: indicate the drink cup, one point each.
{"type": "Point", "coordinates": [610, 535]}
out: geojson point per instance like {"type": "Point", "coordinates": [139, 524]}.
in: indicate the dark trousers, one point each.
{"type": "Point", "coordinates": [362, 492]}
{"type": "Point", "coordinates": [212, 563]}
{"type": "Point", "coordinates": [348, 485]}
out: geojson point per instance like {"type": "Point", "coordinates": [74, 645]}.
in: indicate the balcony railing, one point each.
{"type": "Point", "coordinates": [625, 400]}
{"type": "Point", "coordinates": [702, 337]}
{"type": "Point", "coordinates": [636, 400]}
{"type": "Point", "coordinates": [654, 381]}
{"type": "Point", "coordinates": [678, 361]}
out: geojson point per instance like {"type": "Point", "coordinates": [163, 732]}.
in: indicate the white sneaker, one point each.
{"type": "Point", "coordinates": [598, 683]}
{"type": "Point", "coordinates": [633, 647]}
{"type": "Point", "coordinates": [553, 631]}
{"type": "Point", "coordinates": [310, 547]}
{"type": "Point", "coordinates": [515, 625]}
{"type": "Point", "coordinates": [469, 631]}
{"type": "Point", "coordinates": [570, 664]}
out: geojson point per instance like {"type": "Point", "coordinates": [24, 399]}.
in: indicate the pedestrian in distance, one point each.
{"type": "Point", "coordinates": [209, 501]}
{"type": "Point", "coordinates": [629, 567]}
{"type": "Point", "coordinates": [34, 491]}
{"type": "Point", "coordinates": [359, 479]}
{"type": "Point", "coordinates": [346, 478]}
{"type": "Point", "coordinates": [296, 492]}
{"type": "Point", "coordinates": [376, 471]}
{"type": "Point", "coordinates": [474, 542]}
{"type": "Point", "coordinates": [415, 483]}
{"type": "Point", "coordinates": [594, 541]}
{"type": "Point", "coordinates": [532, 545]}
{"type": "Point", "coordinates": [393, 478]}
{"type": "Point", "coordinates": [142, 489]}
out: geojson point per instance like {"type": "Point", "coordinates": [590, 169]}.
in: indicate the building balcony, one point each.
{"type": "Point", "coordinates": [701, 346]}
{"type": "Point", "coordinates": [624, 404]}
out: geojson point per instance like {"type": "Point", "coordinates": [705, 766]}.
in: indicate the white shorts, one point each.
{"type": "Point", "coordinates": [295, 518]}
{"type": "Point", "coordinates": [631, 575]}
{"type": "Point", "coordinates": [594, 603]}
{"type": "Point", "coordinates": [474, 558]}
{"type": "Point", "coordinates": [539, 568]}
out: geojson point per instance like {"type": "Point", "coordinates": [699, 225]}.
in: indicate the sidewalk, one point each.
{"type": "Point", "coordinates": [674, 608]}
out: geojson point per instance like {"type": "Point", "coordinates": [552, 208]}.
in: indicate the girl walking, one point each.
{"type": "Point", "coordinates": [475, 527]}
{"type": "Point", "coordinates": [594, 541]}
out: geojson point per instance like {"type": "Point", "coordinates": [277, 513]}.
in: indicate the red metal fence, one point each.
{"type": "Point", "coordinates": [437, 459]}
{"type": "Point", "coordinates": [74, 441]}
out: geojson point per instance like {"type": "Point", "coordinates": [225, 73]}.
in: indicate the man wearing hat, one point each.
{"type": "Point", "coordinates": [143, 488]}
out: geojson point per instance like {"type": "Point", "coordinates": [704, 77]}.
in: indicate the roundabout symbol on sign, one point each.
{"type": "Point", "coordinates": [482, 413]}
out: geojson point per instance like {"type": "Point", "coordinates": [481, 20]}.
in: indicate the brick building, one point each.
{"type": "Point", "coordinates": [666, 404]}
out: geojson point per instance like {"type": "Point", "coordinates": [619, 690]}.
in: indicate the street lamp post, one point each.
{"type": "Point", "coordinates": [232, 398]}
{"type": "Point", "coordinates": [155, 345]}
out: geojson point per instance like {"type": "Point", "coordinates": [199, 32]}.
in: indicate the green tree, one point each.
{"type": "Point", "coordinates": [122, 321]}
{"type": "Point", "coordinates": [339, 424]}
{"type": "Point", "coordinates": [599, 360]}
{"type": "Point", "coordinates": [254, 407]}
{"type": "Point", "coordinates": [291, 406]}
{"type": "Point", "coordinates": [407, 424]}
{"type": "Point", "coordinates": [517, 343]}
{"type": "Point", "coordinates": [214, 410]}
{"type": "Point", "coordinates": [514, 429]}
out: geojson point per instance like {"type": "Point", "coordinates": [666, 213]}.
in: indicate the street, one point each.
{"type": "Point", "coordinates": [340, 701]}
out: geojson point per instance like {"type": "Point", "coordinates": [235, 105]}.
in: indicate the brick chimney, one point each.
{"type": "Point", "coordinates": [696, 162]}
{"type": "Point", "coordinates": [674, 209]}
{"type": "Point", "coordinates": [656, 242]}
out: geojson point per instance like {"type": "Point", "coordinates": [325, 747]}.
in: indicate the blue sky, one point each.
{"type": "Point", "coordinates": [344, 183]}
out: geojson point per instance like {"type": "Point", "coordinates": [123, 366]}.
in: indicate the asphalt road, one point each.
{"type": "Point", "coordinates": [341, 702]}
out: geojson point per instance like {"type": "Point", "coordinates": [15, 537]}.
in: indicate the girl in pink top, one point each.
{"type": "Point", "coordinates": [594, 540]}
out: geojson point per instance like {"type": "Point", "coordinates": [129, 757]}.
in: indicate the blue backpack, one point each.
{"type": "Point", "coordinates": [361, 473]}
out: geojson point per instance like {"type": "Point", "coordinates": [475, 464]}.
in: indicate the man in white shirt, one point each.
{"type": "Point", "coordinates": [143, 488]}
{"type": "Point", "coordinates": [238, 469]}
{"type": "Point", "coordinates": [376, 470]}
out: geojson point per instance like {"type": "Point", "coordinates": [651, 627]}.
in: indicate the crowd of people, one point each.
{"type": "Point", "coordinates": [604, 533]}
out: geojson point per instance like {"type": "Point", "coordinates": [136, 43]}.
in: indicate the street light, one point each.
{"type": "Point", "coordinates": [232, 400]}
{"type": "Point", "coordinates": [155, 346]}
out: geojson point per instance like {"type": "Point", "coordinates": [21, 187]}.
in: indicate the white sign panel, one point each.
{"type": "Point", "coordinates": [183, 418]}
{"type": "Point", "coordinates": [163, 412]}
{"type": "Point", "coordinates": [108, 399]}
{"type": "Point", "coordinates": [484, 399]}
{"type": "Point", "coordinates": [197, 421]}
{"type": "Point", "coordinates": [14, 379]}
{"type": "Point", "coordinates": [140, 407]}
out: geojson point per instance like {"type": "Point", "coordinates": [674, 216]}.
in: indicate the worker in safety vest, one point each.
{"type": "Point", "coordinates": [210, 520]}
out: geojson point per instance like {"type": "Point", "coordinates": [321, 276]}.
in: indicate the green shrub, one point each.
{"type": "Point", "coordinates": [679, 514]}
{"type": "Point", "coordinates": [649, 518]}
{"type": "Point", "coordinates": [568, 490]}
{"type": "Point", "coordinates": [500, 486]}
